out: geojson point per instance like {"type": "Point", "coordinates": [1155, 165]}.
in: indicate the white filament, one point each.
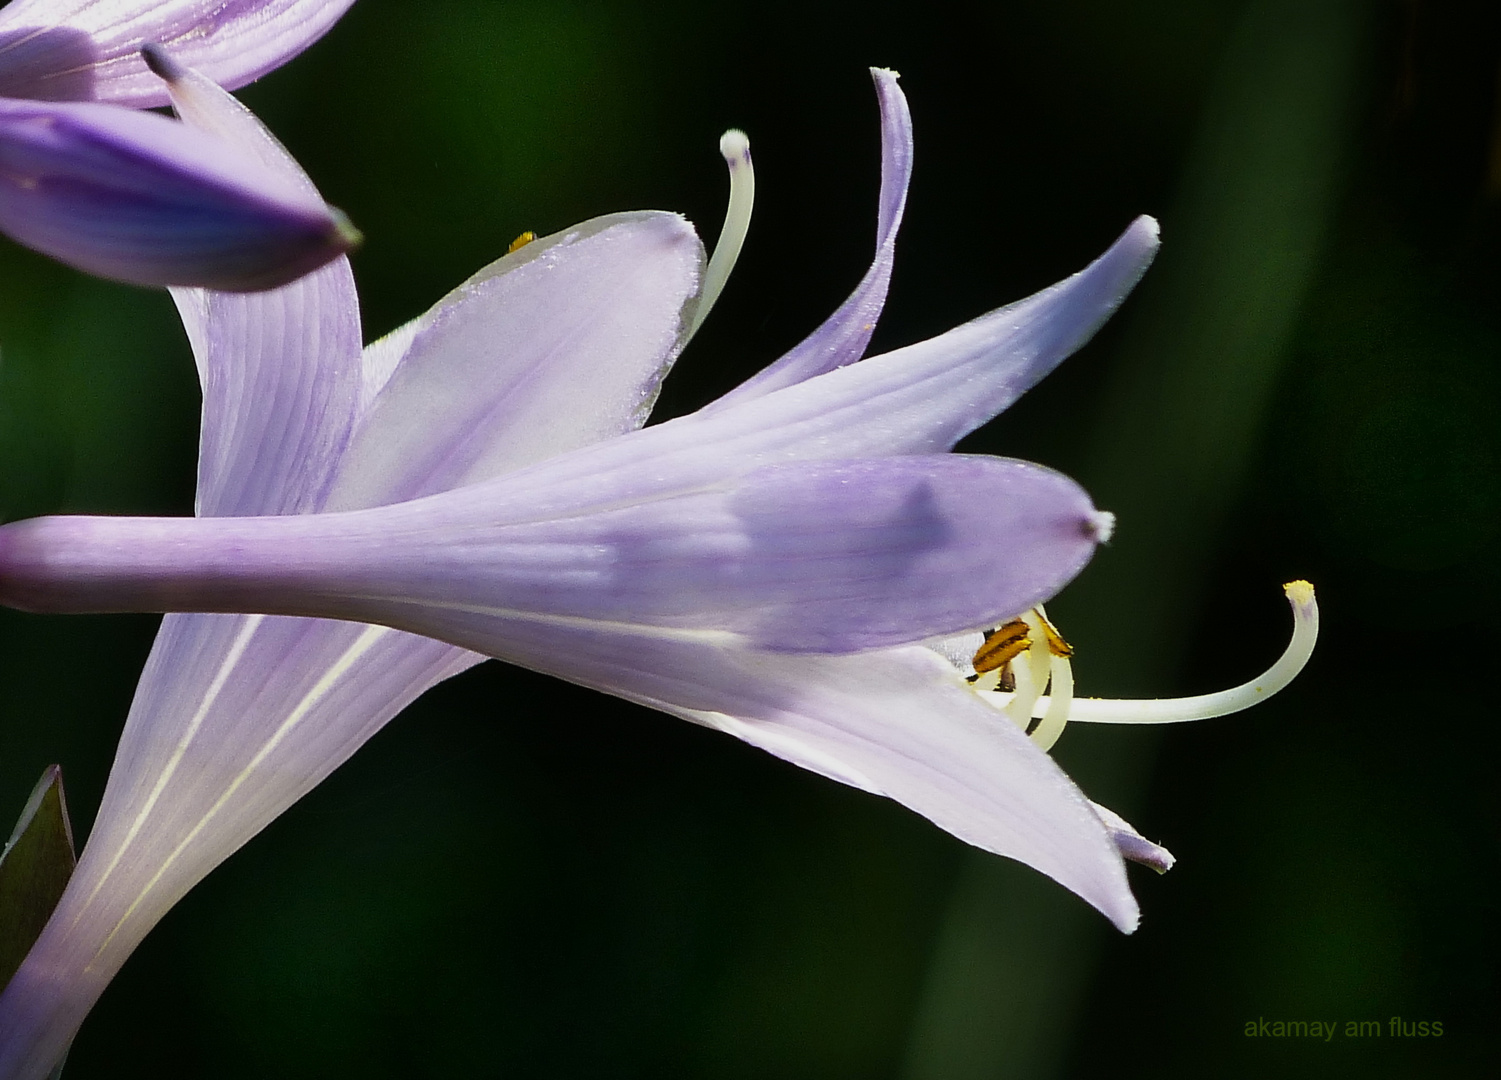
{"type": "Point", "coordinates": [1055, 715]}
{"type": "Point", "coordinates": [1204, 706]}
{"type": "Point", "coordinates": [1027, 689]}
{"type": "Point", "coordinates": [1030, 671]}
{"type": "Point", "coordinates": [735, 147]}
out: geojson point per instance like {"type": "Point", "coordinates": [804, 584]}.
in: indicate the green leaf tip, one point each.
{"type": "Point", "coordinates": [35, 866]}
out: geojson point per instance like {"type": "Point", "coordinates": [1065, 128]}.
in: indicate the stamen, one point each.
{"type": "Point", "coordinates": [1031, 670]}
{"type": "Point", "coordinates": [521, 242]}
{"type": "Point", "coordinates": [1178, 710]}
{"type": "Point", "coordinates": [735, 147]}
{"type": "Point", "coordinates": [1055, 716]}
{"type": "Point", "coordinates": [1056, 645]}
{"type": "Point", "coordinates": [1001, 646]}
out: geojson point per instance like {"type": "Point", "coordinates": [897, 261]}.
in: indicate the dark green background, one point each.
{"type": "Point", "coordinates": [519, 878]}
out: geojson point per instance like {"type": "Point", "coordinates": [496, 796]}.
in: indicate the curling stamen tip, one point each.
{"type": "Point", "coordinates": [735, 146]}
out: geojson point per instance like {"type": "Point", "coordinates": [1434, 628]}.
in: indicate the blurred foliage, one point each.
{"type": "Point", "coordinates": [519, 877]}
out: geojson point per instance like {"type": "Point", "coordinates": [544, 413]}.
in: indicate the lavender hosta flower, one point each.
{"type": "Point", "coordinates": [486, 425]}
{"type": "Point", "coordinates": [814, 510]}
{"type": "Point", "coordinates": [78, 50]}
{"type": "Point", "coordinates": [140, 198]}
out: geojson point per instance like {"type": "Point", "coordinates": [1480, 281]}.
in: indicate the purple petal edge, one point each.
{"type": "Point", "coordinates": [1133, 846]}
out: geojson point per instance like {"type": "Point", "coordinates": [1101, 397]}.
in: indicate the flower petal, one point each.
{"type": "Point", "coordinates": [561, 343]}
{"type": "Point", "coordinates": [830, 556]}
{"type": "Point", "coordinates": [236, 718]}
{"type": "Point", "coordinates": [280, 370]}
{"type": "Point", "coordinates": [281, 380]}
{"type": "Point", "coordinates": [204, 105]}
{"type": "Point", "coordinates": [896, 722]}
{"type": "Point", "coordinates": [926, 397]}
{"type": "Point", "coordinates": [844, 335]}
{"type": "Point", "coordinates": [916, 400]}
{"type": "Point", "coordinates": [1132, 845]}
{"type": "Point", "coordinates": [140, 198]}
{"type": "Point", "coordinates": [555, 345]}
{"type": "Point", "coordinates": [73, 50]}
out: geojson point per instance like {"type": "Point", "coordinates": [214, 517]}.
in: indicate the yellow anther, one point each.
{"type": "Point", "coordinates": [521, 241]}
{"type": "Point", "coordinates": [1018, 662]}
{"type": "Point", "coordinates": [1001, 646]}
{"type": "Point", "coordinates": [1299, 592]}
{"type": "Point", "coordinates": [1056, 645]}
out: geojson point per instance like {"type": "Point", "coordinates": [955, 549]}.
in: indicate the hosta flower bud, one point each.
{"type": "Point", "coordinates": [140, 198]}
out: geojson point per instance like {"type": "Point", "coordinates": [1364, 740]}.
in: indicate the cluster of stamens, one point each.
{"type": "Point", "coordinates": [1022, 668]}
{"type": "Point", "coordinates": [1022, 659]}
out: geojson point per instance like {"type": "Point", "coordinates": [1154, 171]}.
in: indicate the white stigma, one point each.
{"type": "Point", "coordinates": [1205, 706]}
{"type": "Point", "coordinates": [735, 147]}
